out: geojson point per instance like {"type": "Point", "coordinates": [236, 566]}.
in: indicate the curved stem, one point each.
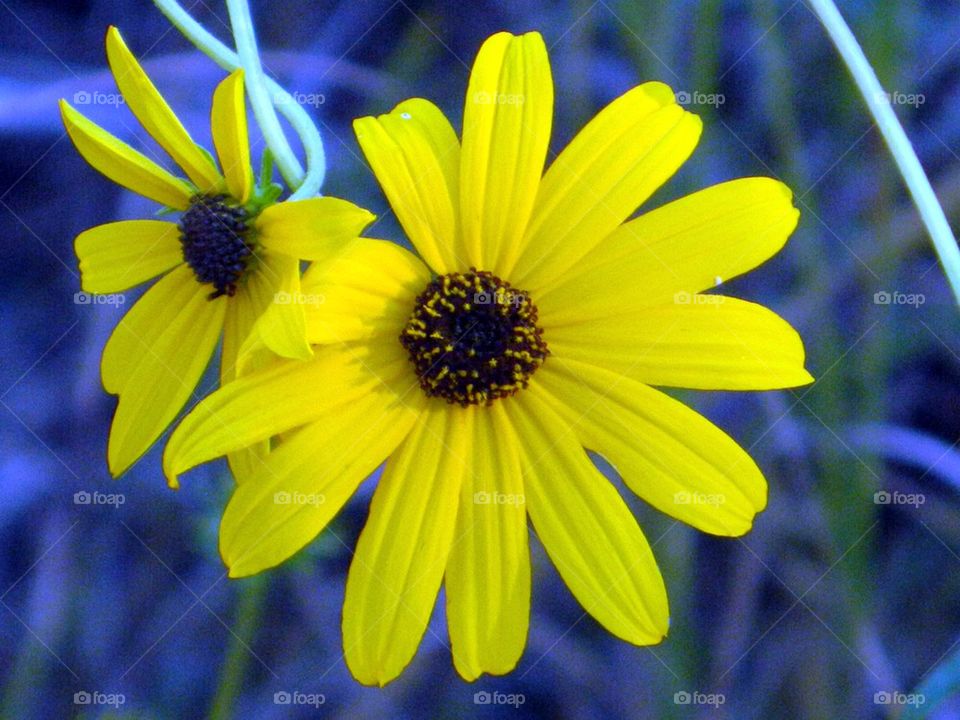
{"type": "Point", "coordinates": [295, 114]}
{"type": "Point", "coordinates": [252, 596]}
{"type": "Point", "coordinates": [903, 153]}
{"type": "Point", "coordinates": [255, 82]}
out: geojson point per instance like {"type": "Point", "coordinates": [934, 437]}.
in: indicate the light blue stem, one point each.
{"type": "Point", "coordinates": [295, 114]}
{"type": "Point", "coordinates": [879, 105]}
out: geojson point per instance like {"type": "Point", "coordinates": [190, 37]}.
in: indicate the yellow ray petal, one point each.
{"type": "Point", "coordinates": [254, 294]}
{"type": "Point", "coordinates": [282, 325]}
{"type": "Point", "coordinates": [154, 360]}
{"type": "Point", "coordinates": [488, 573]}
{"type": "Point", "coordinates": [506, 131]}
{"type": "Point", "coordinates": [122, 164]}
{"type": "Point", "coordinates": [367, 289]}
{"type": "Point", "coordinates": [685, 246]}
{"type": "Point", "coordinates": [156, 116]}
{"type": "Point", "coordinates": [712, 343]}
{"type": "Point", "coordinates": [311, 229]}
{"type": "Point", "coordinates": [284, 395]}
{"type": "Point", "coordinates": [228, 122]}
{"type": "Point", "coordinates": [307, 479]}
{"type": "Point", "coordinates": [117, 256]}
{"type": "Point", "coordinates": [672, 457]}
{"type": "Point", "coordinates": [415, 156]}
{"type": "Point", "coordinates": [402, 552]}
{"type": "Point", "coordinates": [611, 167]}
{"type": "Point", "coordinates": [586, 528]}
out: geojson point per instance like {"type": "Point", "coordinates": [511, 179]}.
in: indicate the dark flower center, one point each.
{"type": "Point", "coordinates": [216, 243]}
{"type": "Point", "coordinates": [473, 338]}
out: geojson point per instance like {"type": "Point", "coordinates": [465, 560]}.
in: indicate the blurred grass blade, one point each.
{"type": "Point", "coordinates": [879, 105]}
{"type": "Point", "coordinates": [941, 683]}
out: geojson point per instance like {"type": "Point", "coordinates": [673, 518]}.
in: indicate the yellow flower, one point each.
{"type": "Point", "coordinates": [533, 328]}
{"type": "Point", "coordinates": [230, 256]}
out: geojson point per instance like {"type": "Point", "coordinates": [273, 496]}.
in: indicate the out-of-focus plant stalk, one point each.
{"type": "Point", "coordinates": [305, 185]}
{"type": "Point", "coordinates": [877, 101]}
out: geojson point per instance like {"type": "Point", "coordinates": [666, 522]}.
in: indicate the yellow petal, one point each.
{"type": "Point", "coordinates": [672, 457]}
{"type": "Point", "coordinates": [488, 573]}
{"type": "Point", "coordinates": [154, 360]}
{"type": "Point", "coordinates": [506, 131]}
{"type": "Point", "coordinates": [117, 256]}
{"type": "Point", "coordinates": [685, 246]}
{"type": "Point", "coordinates": [402, 552]}
{"type": "Point", "coordinates": [611, 167]}
{"type": "Point", "coordinates": [253, 296]}
{"type": "Point", "coordinates": [712, 343]}
{"type": "Point", "coordinates": [122, 164]}
{"type": "Point", "coordinates": [586, 528]}
{"type": "Point", "coordinates": [415, 156]}
{"type": "Point", "coordinates": [284, 395]}
{"type": "Point", "coordinates": [367, 289]}
{"type": "Point", "coordinates": [282, 325]}
{"type": "Point", "coordinates": [311, 229]}
{"type": "Point", "coordinates": [307, 479]}
{"type": "Point", "coordinates": [156, 116]}
{"type": "Point", "coordinates": [228, 122]}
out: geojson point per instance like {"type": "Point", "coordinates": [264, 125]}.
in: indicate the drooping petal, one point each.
{"type": "Point", "coordinates": [611, 167]}
{"type": "Point", "coordinates": [669, 455]}
{"type": "Point", "coordinates": [367, 289]}
{"type": "Point", "coordinates": [305, 481]}
{"type": "Point", "coordinates": [149, 107]}
{"type": "Point", "coordinates": [154, 360]}
{"type": "Point", "coordinates": [488, 573]}
{"type": "Point", "coordinates": [586, 528]}
{"type": "Point", "coordinates": [119, 255]}
{"type": "Point", "coordinates": [284, 395]}
{"type": "Point", "coordinates": [684, 247]}
{"type": "Point", "coordinates": [228, 122]}
{"type": "Point", "coordinates": [415, 155]}
{"type": "Point", "coordinates": [282, 325]}
{"type": "Point", "coordinates": [122, 164]}
{"type": "Point", "coordinates": [506, 131]}
{"type": "Point", "coordinates": [713, 343]}
{"type": "Point", "coordinates": [402, 552]}
{"type": "Point", "coordinates": [311, 229]}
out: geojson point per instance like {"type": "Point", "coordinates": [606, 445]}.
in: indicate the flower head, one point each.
{"type": "Point", "coordinates": [222, 265]}
{"type": "Point", "coordinates": [532, 326]}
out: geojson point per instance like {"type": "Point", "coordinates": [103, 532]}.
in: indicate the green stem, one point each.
{"type": "Point", "coordinates": [255, 82]}
{"type": "Point", "coordinates": [917, 182]}
{"type": "Point", "coordinates": [294, 113]}
{"type": "Point", "coordinates": [252, 596]}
